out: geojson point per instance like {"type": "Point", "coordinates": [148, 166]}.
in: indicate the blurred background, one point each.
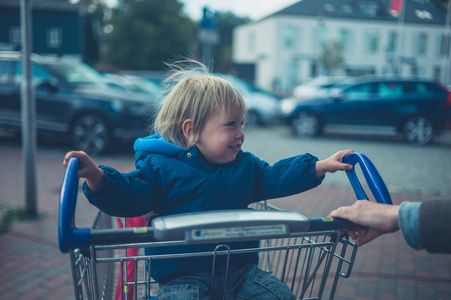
{"type": "Point", "coordinates": [318, 76]}
{"type": "Point", "coordinates": [276, 46]}
{"type": "Point", "coordinates": [277, 54]}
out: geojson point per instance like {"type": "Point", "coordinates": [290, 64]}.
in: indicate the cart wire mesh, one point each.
{"type": "Point", "coordinates": [309, 263]}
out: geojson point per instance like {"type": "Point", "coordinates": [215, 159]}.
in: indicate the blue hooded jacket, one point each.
{"type": "Point", "coordinates": [171, 180]}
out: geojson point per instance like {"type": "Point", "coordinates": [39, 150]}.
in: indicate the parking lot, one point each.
{"type": "Point", "coordinates": [33, 267]}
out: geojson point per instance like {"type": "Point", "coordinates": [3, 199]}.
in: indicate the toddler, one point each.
{"type": "Point", "coordinates": [195, 163]}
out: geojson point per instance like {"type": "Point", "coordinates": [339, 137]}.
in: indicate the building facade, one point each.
{"type": "Point", "coordinates": [288, 47]}
{"type": "Point", "coordinates": [58, 27]}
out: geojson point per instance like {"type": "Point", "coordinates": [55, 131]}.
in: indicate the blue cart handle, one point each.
{"type": "Point", "coordinates": [70, 237]}
{"type": "Point", "coordinates": [372, 176]}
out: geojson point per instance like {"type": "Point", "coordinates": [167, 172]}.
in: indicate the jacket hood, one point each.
{"type": "Point", "coordinates": [156, 144]}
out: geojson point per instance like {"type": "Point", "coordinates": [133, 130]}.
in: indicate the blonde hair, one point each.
{"type": "Point", "coordinates": [196, 95]}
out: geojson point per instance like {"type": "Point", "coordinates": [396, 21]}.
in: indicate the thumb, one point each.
{"type": "Point", "coordinates": [345, 167]}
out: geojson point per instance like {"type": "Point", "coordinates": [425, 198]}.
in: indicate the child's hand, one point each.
{"type": "Point", "coordinates": [333, 163]}
{"type": "Point", "coordinates": [87, 169]}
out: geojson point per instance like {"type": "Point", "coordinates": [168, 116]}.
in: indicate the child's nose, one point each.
{"type": "Point", "coordinates": [240, 133]}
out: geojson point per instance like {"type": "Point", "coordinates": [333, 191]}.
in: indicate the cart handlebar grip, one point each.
{"type": "Point", "coordinates": [372, 176]}
{"type": "Point", "coordinates": [70, 237]}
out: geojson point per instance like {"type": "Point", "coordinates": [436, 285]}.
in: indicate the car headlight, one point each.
{"type": "Point", "coordinates": [117, 105]}
{"type": "Point", "coordinates": [287, 106]}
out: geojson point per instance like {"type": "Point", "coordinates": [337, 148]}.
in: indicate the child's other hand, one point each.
{"type": "Point", "coordinates": [333, 163]}
{"type": "Point", "coordinates": [86, 169]}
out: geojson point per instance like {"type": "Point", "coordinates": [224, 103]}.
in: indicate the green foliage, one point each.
{"type": "Point", "coordinates": [332, 56]}
{"type": "Point", "coordinates": [227, 21]}
{"type": "Point", "coordinates": [442, 4]}
{"type": "Point", "coordinates": [148, 33]}
{"type": "Point", "coordinates": [10, 216]}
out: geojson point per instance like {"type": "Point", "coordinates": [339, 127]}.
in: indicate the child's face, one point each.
{"type": "Point", "coordinates": [222, 137]}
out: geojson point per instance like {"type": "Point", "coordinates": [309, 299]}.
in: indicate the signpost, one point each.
{"type": "Point", "coordinates": [208, 35]}
{"type": "Point", "coordinates": [28, 111]}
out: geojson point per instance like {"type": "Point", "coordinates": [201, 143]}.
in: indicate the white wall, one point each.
{"type": "Point", "coordinates": [263, 43]}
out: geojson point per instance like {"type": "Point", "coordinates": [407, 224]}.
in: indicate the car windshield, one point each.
{"type": "Point", "coordinates": [141, 85]}
{"type": "Point", "coordinates": [77, 74]}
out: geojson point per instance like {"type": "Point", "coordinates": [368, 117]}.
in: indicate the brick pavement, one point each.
{"type": "Point", "coordinates": [33, 268]}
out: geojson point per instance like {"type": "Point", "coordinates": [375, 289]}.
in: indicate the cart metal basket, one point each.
{"type": "Point", "coordinates": [307, 254]}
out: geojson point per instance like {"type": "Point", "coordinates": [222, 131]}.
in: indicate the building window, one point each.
{"type": "Point", "coordinates": [372, 42]}
{"type": "Point", "coordinates": [421, 44]}
{"type": "Point", "coordinates": [414, 71]}
{"type": "Point", "coordinates": [313, 69]}
{"type": "Point", "coordinates": [14, 35]}
{"type": "Point", "coordinates": [251, 42]}
{"type": "Point", "coordinates": [392, 42]}
{"type": "Point", "coordinates": [320, 36]}
{"type": "Point", "coordinates": [443, 45]}
{"type": "Point", "coordinates": [54, 37]}
{"type": "Point", "coordinates": [292, 74]}
{"type": "Point", "coordinates": [345, 40]}
{"type": "Point", "coordinates": [290, 37]}
{"type": "Point", "coordinates": [436, 72]}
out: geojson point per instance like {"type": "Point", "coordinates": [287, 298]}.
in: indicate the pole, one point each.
{"type": "Point", "coordinates": [401, 20]}
{"type": "Point", "coordinates": [28, 111]}
{"type": "Point", "coordinates": [446, 45]}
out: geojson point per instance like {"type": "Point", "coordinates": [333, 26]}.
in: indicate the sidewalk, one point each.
{"type": "Point", "coordinates": [33, 268]}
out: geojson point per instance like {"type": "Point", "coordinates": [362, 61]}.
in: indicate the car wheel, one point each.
{"type": "Point", "coordinates": [90, 133]}
{"type": "Point", "coordinates": [306, 124]}
{"type": "Point", "coordinates": [418, 131]}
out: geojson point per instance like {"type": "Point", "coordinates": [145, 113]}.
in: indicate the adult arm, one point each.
{"type": "Point", "coordinates": [435, 225]}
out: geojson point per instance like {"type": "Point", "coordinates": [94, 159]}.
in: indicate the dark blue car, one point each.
{"type": "Point", "coordinates": [73, 103]}
{"type": "Point", "coordinates": [416, 108]}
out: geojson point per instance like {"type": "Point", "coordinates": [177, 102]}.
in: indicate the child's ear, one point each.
{"type": "Point", "coordinates": [187, 128]}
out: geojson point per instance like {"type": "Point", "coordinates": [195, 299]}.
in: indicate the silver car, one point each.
{"type": "Point", "coordinates": [263, 108]}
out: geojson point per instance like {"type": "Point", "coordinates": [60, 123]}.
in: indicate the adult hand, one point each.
{"type": "Point", "coordinates": [378, 218]}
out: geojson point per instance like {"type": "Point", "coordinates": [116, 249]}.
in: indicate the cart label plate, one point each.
{"type": "Point", "coordinates": [238, 232]}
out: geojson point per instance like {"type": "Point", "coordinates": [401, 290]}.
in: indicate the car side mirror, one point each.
{"type": "Point", "coordinates": [50, 85]}
{"type": "Point", "coordinates": [336, 94]}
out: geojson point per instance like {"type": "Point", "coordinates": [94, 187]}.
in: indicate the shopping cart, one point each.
{"type": "Point", "coordinates": [300, 251]}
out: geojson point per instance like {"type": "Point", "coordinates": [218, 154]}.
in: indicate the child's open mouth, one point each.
{"type": "Point", "coordinates": [237, 147]}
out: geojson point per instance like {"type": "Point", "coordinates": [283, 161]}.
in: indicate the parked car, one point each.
{"type": "Point", "coordinates": [315, 87]}
{"type": "Point", "coordinates": [263, 108]}
{"type": "Point", "coordinates": [156, 77]}
{"type": "Point", "coordinates": [72, 103]}
{"type": "Point", "coordinates": [134, 85]}
{"type": "Point", "coordinates": [416, 108]}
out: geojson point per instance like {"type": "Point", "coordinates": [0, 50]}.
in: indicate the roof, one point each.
{"type": "Point", "coordinates": [52, 5]}
{"type": "Point", "coordinates": [377, 10]}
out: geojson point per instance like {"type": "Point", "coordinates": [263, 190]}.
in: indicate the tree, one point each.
{"type": "Point", "coordinates": [146, 34]}
{"type": "Point", "coordinates": [331, 57]}
{"type": "Point", "coordinates": [227, 21]}
{"type": "Point", "coordinates": [442, 4]}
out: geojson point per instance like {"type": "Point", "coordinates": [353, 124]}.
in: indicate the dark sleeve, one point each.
{"type": "Point", "coordinates": [125, 194]}
{"type": "Point", "coordinates": [435, 225]}
{"type": "Point", "coordinates": [287, 177]}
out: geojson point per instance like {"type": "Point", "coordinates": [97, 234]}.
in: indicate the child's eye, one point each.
{"type": "Point", "coordinates": [231, 124]}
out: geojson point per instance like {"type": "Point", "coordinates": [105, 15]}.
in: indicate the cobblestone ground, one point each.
{"type": "Point", "coordinates": [33, 267]}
